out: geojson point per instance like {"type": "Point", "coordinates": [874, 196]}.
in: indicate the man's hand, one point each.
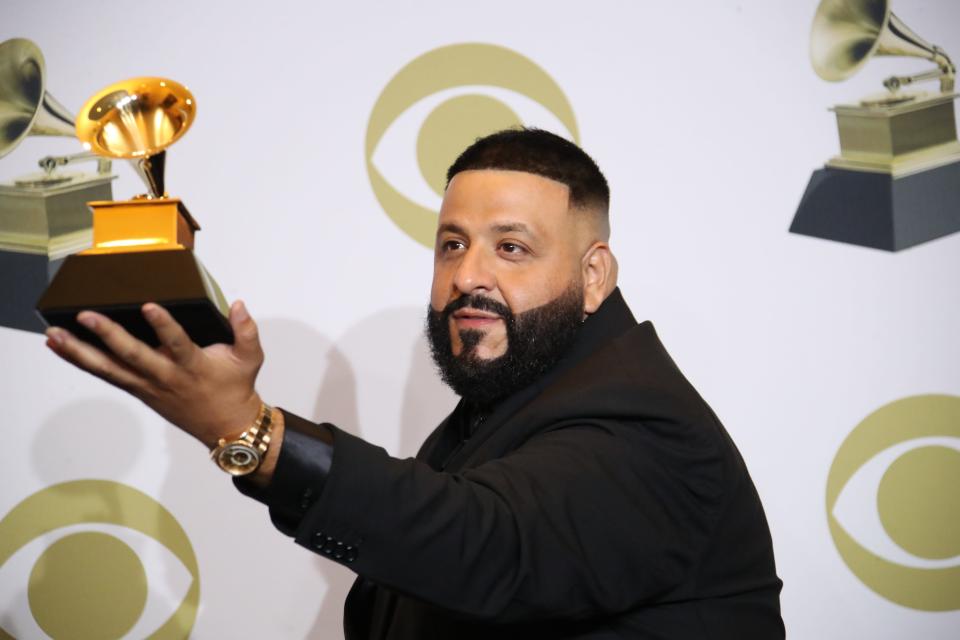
{"type": "Point", "coordinates": [209, 392]}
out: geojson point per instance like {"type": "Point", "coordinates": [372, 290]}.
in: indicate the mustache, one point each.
{"type": "Point", "coordinates": [480, 303]}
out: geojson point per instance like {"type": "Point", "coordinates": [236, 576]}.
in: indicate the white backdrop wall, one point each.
{"type": "Point", "coordinates": [707, 119]}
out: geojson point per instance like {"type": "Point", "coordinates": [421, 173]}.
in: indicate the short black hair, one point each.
{"type": "Point", "coordinates": [544, 154]}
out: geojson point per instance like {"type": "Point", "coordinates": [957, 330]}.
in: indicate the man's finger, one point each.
{"type": "Point", "coordinates": [172, 336]}
{"type": "Point", "coordinates": [128, 350]}
{"type": "Point", "coordinates": [246, 342]}
{"type": "Point", "coordinates": [90, 359]}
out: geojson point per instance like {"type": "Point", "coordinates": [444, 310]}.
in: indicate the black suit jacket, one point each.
{"type": "Point", "coordinates": [606, 500]}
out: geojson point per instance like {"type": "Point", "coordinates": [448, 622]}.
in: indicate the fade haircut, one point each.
{"type": "Point", "coordinates": [544, 154]}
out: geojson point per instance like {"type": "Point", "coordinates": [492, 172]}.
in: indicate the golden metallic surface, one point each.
{"type": "Point", "coordinates": [847, 33]}
{"type": "Point", "coordinates": [136, 118]}
{"type": "Point", "coordinates": [26, 109]}
{"type": "Point", "coordinates": [243, 455]}
{"type": "Point", "coordinates": [50, 220]}
{"type": "Point", "coordinates": [900, 132]}
{"type": "Point", "coordinates": [137, 225]}
{"type": "Point", "coordinates": [898, 139]}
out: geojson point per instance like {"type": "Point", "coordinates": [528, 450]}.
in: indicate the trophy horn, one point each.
{"type": "Point", "coordinates": [137, 119]}
{"type": "Point", "coordinates": [847, 33]}
{"type": "Point", "coordinates": [26, 109]}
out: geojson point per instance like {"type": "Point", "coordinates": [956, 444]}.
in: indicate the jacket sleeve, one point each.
{"type": "Point", "coordinates": [306, 454]}
{"type": "Point", "coordinates": [582, 520]}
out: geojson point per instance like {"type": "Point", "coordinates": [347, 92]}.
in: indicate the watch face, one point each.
{"type": "Point", "coordinates": [238, 459]}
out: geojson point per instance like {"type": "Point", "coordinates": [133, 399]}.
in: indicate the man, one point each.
{"type": "Point", "coordinates": [580, 489]}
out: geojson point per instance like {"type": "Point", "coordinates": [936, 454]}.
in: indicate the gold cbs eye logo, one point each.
{"type": "Point", "coordinates": [892, 504]}
{"type": "Point", "coordinates": [463, 90]}
{"type": "Point", "coordinates": [90, 581]}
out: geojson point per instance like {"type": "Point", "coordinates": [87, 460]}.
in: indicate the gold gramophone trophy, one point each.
{"type": "Point", "coordinates": [896, 182]}
{"type": "Point", "coordinates": [43, 215]}
{"type": "Point", "coordinates": [142, 248]}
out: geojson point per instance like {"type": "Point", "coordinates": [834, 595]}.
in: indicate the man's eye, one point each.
{"type": "Point", "coordinates": [450, 245]}
{"type": "Point", "coordinates": [512, 248]}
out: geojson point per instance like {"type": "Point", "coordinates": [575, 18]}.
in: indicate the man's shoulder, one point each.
{"type": "Point", "coordinates": [630, 376]}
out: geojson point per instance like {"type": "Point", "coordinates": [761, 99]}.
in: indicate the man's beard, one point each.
{"type": "Point", "coordinates": [536, 340]}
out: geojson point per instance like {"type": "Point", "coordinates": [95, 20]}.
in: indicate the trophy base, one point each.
{"type": "Point", "coordinates": [879, 210]}
{"type": "Point", "coordinates": [900, 166]}
{"type": "Point", "coordinates": [118, 284]}
{"type": "Point", "coordinates": [41, 222]}
{"type": "Point", "coordinates": [25, 277]}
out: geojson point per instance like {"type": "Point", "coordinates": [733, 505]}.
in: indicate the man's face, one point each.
{"type": "Point", "coordinates": [508, 237]}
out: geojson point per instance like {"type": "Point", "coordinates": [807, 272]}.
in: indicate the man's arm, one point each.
{"type": "Point", "coordinates": [579, 522]}
{"type": "Point", "coordinates": [573, 524]}
{"type": "Point", "coordinates": [209, 393]}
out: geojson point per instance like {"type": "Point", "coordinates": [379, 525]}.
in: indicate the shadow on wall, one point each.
{"type": "Point", "coordinates": [375, 381]}
{"type": "Point", "coordinates": [108, 442]}
{"type": "Point", "coordinates": [93, 421]}
{"type": "Point", "coordinates": [400, 399]}
{"type": "Point", "coordinates": [304, 372]}
{"type": "Point", "coordinates": [378, 374]}
{"type": "Point", "coordinates": [107, 436]}
{"type": "Point", "coordinates": [87, 480]}
{"type": "Point", "coordinates": [426, 400]}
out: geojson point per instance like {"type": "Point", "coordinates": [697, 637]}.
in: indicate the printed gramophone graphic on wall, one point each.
{"type": "Point", "coordinates": [142, 248]}
{"type": "Point", "coordinates": [896, 182]}
{"type": "Point", "coordinates": [43, 215]}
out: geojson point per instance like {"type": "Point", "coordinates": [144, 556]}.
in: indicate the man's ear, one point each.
{"type": "Point", "coordinates": [599, 272]}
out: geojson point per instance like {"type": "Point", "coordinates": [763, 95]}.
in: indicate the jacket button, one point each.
{"type": "Point", "coordinates": [318, 540]}
{"type": "Point", "coordinates": [306, 498]}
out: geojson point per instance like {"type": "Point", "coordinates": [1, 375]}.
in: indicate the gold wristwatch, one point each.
{"type": "Point", "coordinates": [243, 455]}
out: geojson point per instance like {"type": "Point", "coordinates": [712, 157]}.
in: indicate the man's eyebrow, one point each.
{"type": "Point", "coordinates": [512, 227]}
{"type": "Point", "coordinates": [450, 227]}
{"type": "Point", "coordinates": [503, 227]}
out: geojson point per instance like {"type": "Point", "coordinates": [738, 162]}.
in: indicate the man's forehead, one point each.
{"type": "Point", "coordinates": [507, 179]}
{"type": "Point", "coordinates": [492, 191]}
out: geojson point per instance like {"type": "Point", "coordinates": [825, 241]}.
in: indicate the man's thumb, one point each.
{"type": "Point", "coordinates": [246, 337]}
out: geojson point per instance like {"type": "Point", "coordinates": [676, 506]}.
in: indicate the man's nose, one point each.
{"type": "Point", "coordinates": [475, 273]}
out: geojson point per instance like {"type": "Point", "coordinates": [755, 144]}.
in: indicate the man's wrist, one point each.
{"type": "Point", "coordinates": [227, 424]}
{"type": "Point", "coordinates": [300, 468]}
{"type": "Point", "coordinates": [264, 474]}
{"type": "Point", "coordinates": [245, 453]}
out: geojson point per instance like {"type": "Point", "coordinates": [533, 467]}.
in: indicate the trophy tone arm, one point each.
{"type": "Point", "coordinates": [49, 164]}
{"type": "Point", "coordinates": [946, 73]}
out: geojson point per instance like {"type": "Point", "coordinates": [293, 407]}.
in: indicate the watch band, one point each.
{"type": "Point", "coordinates": [244, 454]}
